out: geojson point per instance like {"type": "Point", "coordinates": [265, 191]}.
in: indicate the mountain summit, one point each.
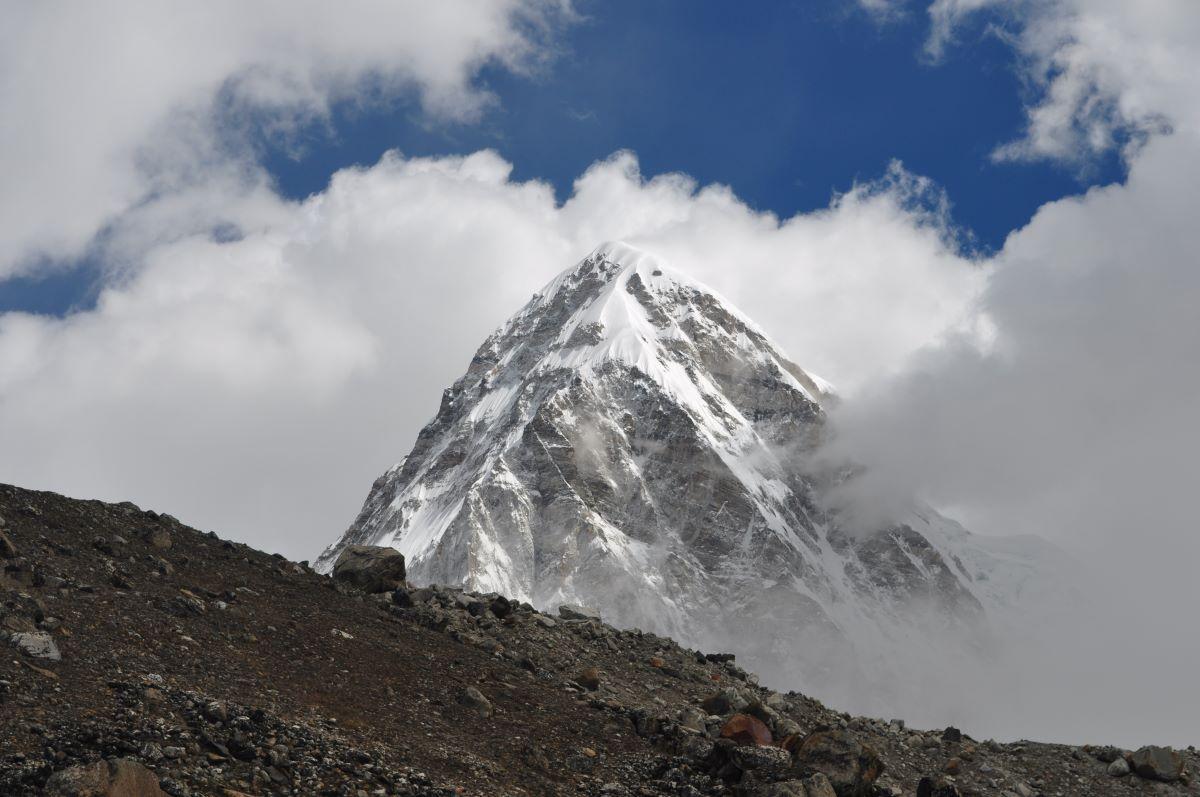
{"type": "Point", "coordinates": [631, 442]}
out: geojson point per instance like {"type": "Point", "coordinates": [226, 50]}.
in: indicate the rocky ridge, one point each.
{"type": "Point", "coordinates": [191, 665]}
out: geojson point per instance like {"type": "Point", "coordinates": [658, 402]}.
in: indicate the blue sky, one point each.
{"type": "Point", "coordinates": [787, 105]}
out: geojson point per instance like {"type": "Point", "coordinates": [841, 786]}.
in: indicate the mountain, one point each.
{"type": "Point", "coordinates": [631, 442]}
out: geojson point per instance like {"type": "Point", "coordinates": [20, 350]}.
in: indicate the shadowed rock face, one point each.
{"type": "Point", "coordinates": [632, 442]}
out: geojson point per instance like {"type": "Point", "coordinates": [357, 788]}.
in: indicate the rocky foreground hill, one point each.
{"type": "Point", "coordinates": [144, 657]}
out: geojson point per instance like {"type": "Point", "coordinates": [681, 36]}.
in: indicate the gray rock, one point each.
{"type": "Point", "coordinates": [753, 757]}
{"type": "Point", "coordinates": [1157, 763]}
{"type": "Point", "coordinates": [8, 550]}
{"type": "Point", "coordinates": [1118, 768]}
{"type": "Point", "coordinates": [473, 699]}
{"type": "Point", "coordinates": [571, 611]}
{"type": "Point", "coordinates": [120, 778]}
{"type": "Point", "coordinates": [819, 786]}
{"type": "Point", "coordinates": [851, 766]}
{"type": "Point", "coordinates": [783, 788]}
{"type": "Point", "coordinates": [692, 719]}
{"type": "Point", "coordinates": [813, 786]}
{"type": "Point", "coordinates": [370, 568]}
{"type": "Point", "coordinates": [37, 644]}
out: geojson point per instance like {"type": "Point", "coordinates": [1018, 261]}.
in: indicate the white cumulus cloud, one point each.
{"type": "Point", "coordinates": [107, 105]}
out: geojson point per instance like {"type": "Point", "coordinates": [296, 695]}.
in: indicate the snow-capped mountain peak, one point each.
{"type": "Point", "coordinates": [630, 440]}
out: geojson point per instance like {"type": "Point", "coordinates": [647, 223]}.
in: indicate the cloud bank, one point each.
{"type": "Point", "coordinates": [1074, 416]}
{"type": "Point", "coordinates": [108, 107]}
{"type": "Point", "coordinates": [256, 382]}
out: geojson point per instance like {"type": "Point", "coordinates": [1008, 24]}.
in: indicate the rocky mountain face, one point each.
{"type": "Point", "coordinates": [144, 658]}
{"type": "Point", "coordinates": [631, 442]}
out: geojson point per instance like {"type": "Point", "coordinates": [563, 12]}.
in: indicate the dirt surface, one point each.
{"type": "Point", "coordinates": [217, 667]}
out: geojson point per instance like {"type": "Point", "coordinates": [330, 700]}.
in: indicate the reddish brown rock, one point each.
{"type": "Point", "coordinates": [589, 679]}
{"type": "Point", "coordinates": [744, 729]}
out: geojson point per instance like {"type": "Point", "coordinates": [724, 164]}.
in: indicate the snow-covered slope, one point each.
{"type": "Point", "coordinates": [632, 442]}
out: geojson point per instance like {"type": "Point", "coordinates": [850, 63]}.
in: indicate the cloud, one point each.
{"type": "Point", "coordinates": [258, 382]}
{"type": "Point", "coordinates": [1074, 416]}
{"type": "Point", "coordinates": [1103, 74]}
{"type": "Point", "coordinates": [108, 106]}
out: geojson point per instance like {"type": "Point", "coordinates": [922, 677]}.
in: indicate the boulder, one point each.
{"type": "Point", "coordinates": [851, 766]}
{"type": "Point", "coordinates": [744, 729]}
{"type": "Point", "coordinates": [571, 611]}
{"type": "Point", "coordinates": [120, 778]}
{"type": "Point", "coordinates": [501, 607]}
{"type": "Point", "coordinates": [1118, 768]}
{"type": "Point", "coordinates": [1157, 763]}
{"type": "Point", "coordinates": [370, 568]}
{"type": "Point", "coordinates": [37, 644]}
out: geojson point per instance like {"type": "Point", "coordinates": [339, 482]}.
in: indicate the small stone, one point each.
{"type": "Point", "coordinates": [7, 549]}
{"type": "Point", "coordinates": [953, 767]}
{"type": "Point", "coordinates": [818, 786]}
{"type": "Point", "coordinates": [762, 758]}
{"type": "Point", "coordinates": [589, 679]}
{"type": "Point", "coordinates": [474, 699]}
{"type": "Point", "coordinates": [937, 787]}
{"type": "Point", "coordinates": [215, 711]}
{"type": "Point", "coordinates": [160, 539]}
{"type": "Point", "coordinates": [37, 644]}
{"type": "Point", "coordinates": [782, 788]}
{"type": "Point", "coordinates": [692, 719]}
{"type": "Point", "coordinates": [719, 704]}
